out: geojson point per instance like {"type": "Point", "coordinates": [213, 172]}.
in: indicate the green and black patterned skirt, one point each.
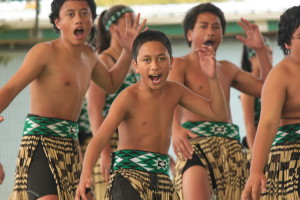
{"type": "Point", "coordinates": [147, 172]}
{"type": "Point", "coordinates": [222, 156]}
{"type": "Point", "coordinates": [283, 168]}
{"type": "Point", "coordinates": [59, 141]}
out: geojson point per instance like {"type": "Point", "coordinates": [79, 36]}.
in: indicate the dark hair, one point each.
{"type": "Point", "coordinates": [55, 8]}
{"type": "Point", "coordinates": [246, 63]}
{"type": "Point", "coordinates": [103, 35]}
{"type": "Point", "coordinates": [147, 36]}
{"type": "Point", "coordinates": [191, 17]}
{"type": "Point", "coordinates": [289, 22]}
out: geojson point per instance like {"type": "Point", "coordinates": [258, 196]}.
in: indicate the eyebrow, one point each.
{"type": "Point", "coordinates": [72, 10]}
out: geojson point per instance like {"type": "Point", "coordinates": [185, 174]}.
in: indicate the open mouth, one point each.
{"type": "Point", "coordinates": [155, 78]}
{"type": "Point", "coordinates": [78, 32]}
{"type": "Point", "coordinates": [209, 43]}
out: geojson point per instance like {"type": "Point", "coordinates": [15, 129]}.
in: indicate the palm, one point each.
{"type": "Point", "coordinates": [131, 32]}
{"type": "Point", "coordinates": [254, 39]}
{"type": "Point", "coordinates": [207, 61]}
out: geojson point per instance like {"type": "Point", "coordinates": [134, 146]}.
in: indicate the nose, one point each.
{"type": "Point", "coordinates": [155, 65]}
{"type": "Point", "coordinates": [210, 31]}
{"type": "Point", "coordinates": [78, 19]}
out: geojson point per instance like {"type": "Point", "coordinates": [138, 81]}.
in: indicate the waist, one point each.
{"type": "Point", "coordinates": [38, 125]}
{"type": "Point", "coordinates": [213, 128]}
{"type": "Point", "coordinates": [287, 133]}
{"type": "Point", "coordinates": [141, 160]}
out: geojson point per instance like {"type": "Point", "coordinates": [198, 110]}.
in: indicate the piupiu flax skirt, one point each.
{"type": "Point", "coordinates": [282, 172]}
{"type": "Point", "coordinates": [225, 163]}
{"type": "Point", "coordinates": [142, 182]}
{"type": "Point", "coordinates": [63, 157]}
{"type": "Point", "coordinates": [147, 173]}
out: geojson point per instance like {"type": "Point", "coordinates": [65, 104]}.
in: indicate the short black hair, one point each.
{"type": "Point", "coordinates": [191, 17]}
{"type": "Point", "coordinates": [147, 36]}
{"type": "Point", "coordinates": [289, 22]}
{"type": "Point", "coordinates": [57, 4]}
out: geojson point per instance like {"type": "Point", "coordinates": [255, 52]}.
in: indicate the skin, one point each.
{"type": "Point", "coordinates": [96, 95]}
{"type": "Point", "coordinates": [59, 72]}
{"type": "Point", "coordinates": [2, 174]}
{"type": "Point", "coordinates": [247, 102]}
{"type": "Point", "coordinates": [187, 71]}
{"type": "Point", "coordinates": [152, 132]}
{"type": "Point", "coordinates": [282, 84]}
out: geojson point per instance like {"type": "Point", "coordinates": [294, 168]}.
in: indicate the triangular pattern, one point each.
{"type": "Point", "coordinates": [211, 128]}
{"type": "Point", "coordinates": [141, 160]}
{"type": "Point", "coordinates": [287, 133]}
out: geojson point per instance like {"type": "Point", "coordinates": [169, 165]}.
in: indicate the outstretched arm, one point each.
{"type": "Point", "coordinates": [254, 40]}
{"type": "Point", "coordinates": [98, 142]}
{"type": "Point", "coordinates": [34, 63]}
{"type": "Point", "coordinates": [111, 79]}
{"type": "Point", "coordinates": [266, 131]}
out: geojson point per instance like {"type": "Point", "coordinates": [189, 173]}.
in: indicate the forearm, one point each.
{"type": "Point", "coordinates": [91, 156]}
{"type": "Point", "coordinates": [262, 144]}
{"type": "Point", "coordinates": [264, 62]}
{"type": "Point", "coordinates": [6, 97]}
{"type": "Point", "coordinates": [106, 150]}
{"type": "Point", "coordinates": [217, 100]}
{"type": "Point", "coordinates": [120, 69]}
{"type": "Point", "coordinates": [250, 133]}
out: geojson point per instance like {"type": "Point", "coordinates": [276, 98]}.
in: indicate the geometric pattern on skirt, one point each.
{"type": "Point", "coordinates": [282, 172]}
{"type": "Point", "coordinates": [63, 157]}
{"type": "Point", "coordinates": [226, 165]}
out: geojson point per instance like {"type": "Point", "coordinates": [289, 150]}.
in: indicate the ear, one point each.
{"type": "Point", "coordinates": [57, 23]}
{"type": "Point", "coordinates": [171, 63]}
{"type": "Point", "coordinates": [135, 66]}
{"type": "Point", "coordinates": [287, 46]}
{"type": "Point", "coordinates": [189, 35]}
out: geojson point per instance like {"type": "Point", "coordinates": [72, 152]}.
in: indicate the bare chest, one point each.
{"type": "Point", "coordinates": [196, 81]}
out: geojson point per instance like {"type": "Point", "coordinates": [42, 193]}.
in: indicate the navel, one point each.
{"type": "Point", "coordinates": [144, 123]}
{"type": "Point", "coordinates": [67, 83]}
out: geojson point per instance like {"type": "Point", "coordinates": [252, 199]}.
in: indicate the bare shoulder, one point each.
{"type": "Point", "coordinates": [45, 48]}
{"type": "Point", "coordinates": [180, 63]}
{"type": "Point", "coordinates": [228, 67]}
{"type": "Point", "coordinates": [282, 71]}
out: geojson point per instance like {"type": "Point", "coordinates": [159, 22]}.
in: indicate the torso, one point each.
{"type": "Point", "coordinates": [291, 107]}
{"type": "Point", "coordinates": [148, 123]}
{"type": "Point", "coordinates": [196, 81]}
{"type": "Point", "coordinates": [60, 89]}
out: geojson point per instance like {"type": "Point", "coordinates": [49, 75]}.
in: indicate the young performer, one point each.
{"type": "Point", "coordinates": [143, 115]}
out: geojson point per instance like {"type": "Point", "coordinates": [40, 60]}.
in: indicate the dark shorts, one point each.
{"type": "Point", "coordinates": [40, 178]}
{"type": "Point", "coordinates": [123, 190]}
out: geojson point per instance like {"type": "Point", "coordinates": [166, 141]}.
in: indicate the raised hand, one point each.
{"type": "Point", "coordinates": [256, 183]}
{"type": "Point", "coordinates": [207, 61]}
{"type": "Point", "coordinates": [131, 31]}
{"type": "Point", "coordinates": [254, 39]}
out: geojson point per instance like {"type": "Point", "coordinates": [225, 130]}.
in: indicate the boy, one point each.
{"type": "Point", "coordinates": [59, 73]}
{"type": "Point", "coordinates": [143, 115]}
{"type": "Point", "coordinates": [217, 166]}
{"type": "Point", "coordinates": [279, 123]}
